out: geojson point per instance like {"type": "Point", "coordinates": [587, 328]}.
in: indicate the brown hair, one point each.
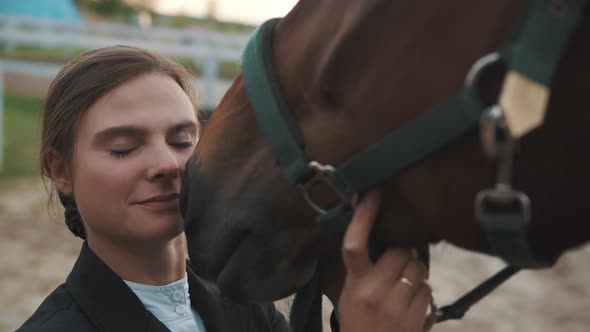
{"type": "Point", "coordinates": [79, 85]}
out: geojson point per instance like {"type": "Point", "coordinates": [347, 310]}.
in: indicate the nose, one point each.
{"type": "Point", "coordinates": [164, 163]}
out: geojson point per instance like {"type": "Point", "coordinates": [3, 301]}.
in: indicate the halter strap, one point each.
{"type": "Point", "coordinates": [270, 107]}
{"type": "Point", "coordinates": [536, 51]}
{"type": "Point", "coordinates": [411, 143]}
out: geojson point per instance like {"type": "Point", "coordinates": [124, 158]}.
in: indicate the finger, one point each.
{"type": "Point", "coordinates": [418, 308]}
{"type": "Point", "coordinates": [409, 283]}
{"type": "Point", "coordinates": [388, 270]}
{"type": "Point", "coordinates": [355, 252]}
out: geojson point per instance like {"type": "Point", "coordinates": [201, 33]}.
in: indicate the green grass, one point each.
{"type": "Point", "coordinates": [209, 23]}
{"type": "Point", "coordinates": [21, 138]}
{"type": "Point", "coordinates": [42, 54]}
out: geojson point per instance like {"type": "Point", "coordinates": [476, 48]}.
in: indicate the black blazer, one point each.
{"type": "Point", "coordinates": [94, 298]}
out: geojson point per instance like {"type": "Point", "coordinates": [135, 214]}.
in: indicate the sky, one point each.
{"type": "Point", "coordinates": [247, 11]}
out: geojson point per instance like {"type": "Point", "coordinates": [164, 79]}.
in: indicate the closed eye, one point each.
{"type": "Point", "coordinates": [183, 145]}
{"type": "Point", "coordinates": [121, 153]}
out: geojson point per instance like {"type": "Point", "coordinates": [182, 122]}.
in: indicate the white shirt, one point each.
{"type": "Point", "coordinates": [170, 304]}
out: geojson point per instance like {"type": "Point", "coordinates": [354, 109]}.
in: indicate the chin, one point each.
{"type": "Point", "coordinates": [163, 230]}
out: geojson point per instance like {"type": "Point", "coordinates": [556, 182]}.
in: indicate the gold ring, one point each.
{"type": "Point", "coordinates": [407, 281]}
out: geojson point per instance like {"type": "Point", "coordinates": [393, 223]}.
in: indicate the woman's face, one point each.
{"type": "Point", "coordinates": [131, 147]}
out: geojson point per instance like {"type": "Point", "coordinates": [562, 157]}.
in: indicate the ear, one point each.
{"type": "Point", "coordinates": [61, 174]}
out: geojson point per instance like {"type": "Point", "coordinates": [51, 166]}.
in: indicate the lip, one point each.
{"type": "Point", "coordinates": [163, 201]}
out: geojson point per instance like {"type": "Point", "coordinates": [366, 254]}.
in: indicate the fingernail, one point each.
{"type": "Point", "coordinates": [350, 245]}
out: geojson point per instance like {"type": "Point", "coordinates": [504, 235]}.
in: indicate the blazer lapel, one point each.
{"type": "Point", "coordinates": [105, 299]}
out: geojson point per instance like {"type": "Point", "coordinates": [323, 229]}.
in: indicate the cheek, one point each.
{"type": "Point", "coordinates": [104, 178]}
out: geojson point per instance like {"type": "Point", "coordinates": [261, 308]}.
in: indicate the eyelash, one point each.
{"type": "Point", "coordinates": [183, 145]}
{"type": "Point", "coordinates": [124, 153]}
{"type": "Point", "coordinates": [121, 154]}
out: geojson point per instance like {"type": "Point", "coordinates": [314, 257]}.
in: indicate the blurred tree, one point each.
{"type": "Point", "coordinates": [128, 11]}
{"type": "Point", "coordinates": [108, 8]}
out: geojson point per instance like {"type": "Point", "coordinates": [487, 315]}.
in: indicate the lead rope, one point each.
{"type": "Point", "coordinates": [458, 309]}
{"type": "Point", "coordinates": [306, 312]}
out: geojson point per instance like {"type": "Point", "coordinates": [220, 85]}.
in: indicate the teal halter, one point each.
{"type": "Point", "coordinates": [503, 212]}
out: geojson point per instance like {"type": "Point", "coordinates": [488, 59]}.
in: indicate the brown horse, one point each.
{"type": "Point", "coordinates": [351, 72]}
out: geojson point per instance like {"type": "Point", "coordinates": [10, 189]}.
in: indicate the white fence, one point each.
{"type": "Point", "coordinates": [1, 116]}
{"type": "Point", "coordinates": [206, 48]}
{"type": "Point", "coordinates": [197, 43]}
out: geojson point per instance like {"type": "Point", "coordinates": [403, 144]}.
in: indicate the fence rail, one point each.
{"type": "Point", "coordinates": [196, 43]}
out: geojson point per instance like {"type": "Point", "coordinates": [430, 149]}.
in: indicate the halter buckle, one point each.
{"type": "Point", "coordinates": [503, 199]}
{"type": "Point", "coordinates": [324, 173]}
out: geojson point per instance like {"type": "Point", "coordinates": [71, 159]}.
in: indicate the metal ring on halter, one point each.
{"type": "Point", "coordinates": [492, 119]}
{"type": "Point", "coordinates": [322, 174]}
{"type": "Point", "coordinates": [478, 67]}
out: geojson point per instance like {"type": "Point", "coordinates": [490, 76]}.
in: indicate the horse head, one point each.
{"type": "Point", "coordinates": [352, 72]}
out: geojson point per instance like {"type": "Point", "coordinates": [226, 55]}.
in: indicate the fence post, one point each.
{"type": "Point", "coordinates": [10, 30]}
{"type": "Point", "coordinates": [210, 73]}
{"type": "Point", "coordinates": [1, 116]}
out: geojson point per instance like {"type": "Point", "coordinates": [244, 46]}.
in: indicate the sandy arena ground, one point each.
{"type": "Point", "coordinates": [38, 252]}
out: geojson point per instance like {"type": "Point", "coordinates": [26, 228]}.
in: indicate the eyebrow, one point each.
{"type": "Point", "coordinates": [135, 131]}
{"type": "Point", "coordinates": [184, 126]}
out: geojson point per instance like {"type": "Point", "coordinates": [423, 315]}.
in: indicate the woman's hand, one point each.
{"type": "Point", "coordinates": [390, 295]}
